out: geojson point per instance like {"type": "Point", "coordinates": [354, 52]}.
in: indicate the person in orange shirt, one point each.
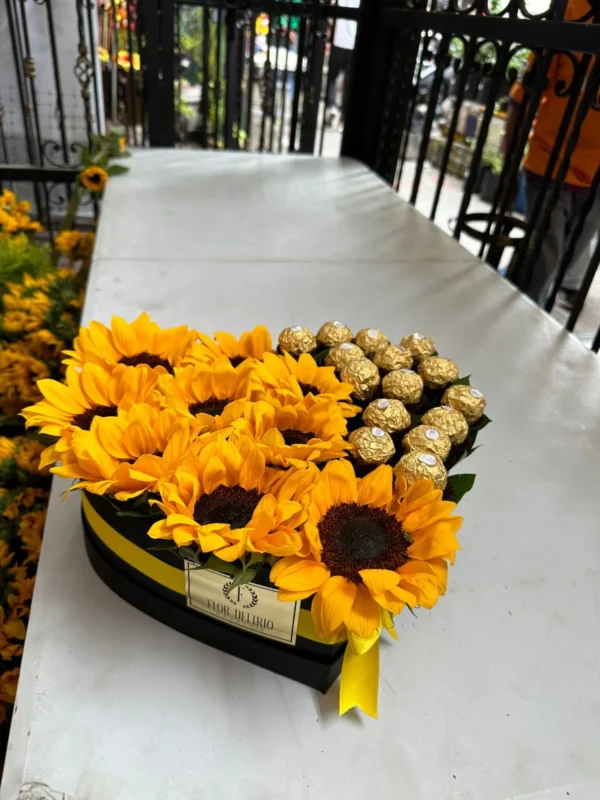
{"type": "Point", "coordinates": [585, 160]}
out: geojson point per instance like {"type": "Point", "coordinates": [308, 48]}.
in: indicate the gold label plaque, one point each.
{"type": "Point", "coordinates": [250, 607]}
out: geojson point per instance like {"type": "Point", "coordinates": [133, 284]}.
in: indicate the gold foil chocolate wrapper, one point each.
{"type": "Point", "coordinates": [371, 340]}
{"type": "Point", "coordinates": [470, 402]}
{"type": "Point", "coordinates": [418, 346]}
{"type": "Point", "coordinates": [297, 340]}
{"type": "Point", "coordinates": [426, 438]}
{"type": "Point", "coordinates": [403, 384]}
{"type": "Point", "coordinates": [417, 466]}
{"type": "Point", "coordinates": [393, 356]}
{"type": "Point", "coordinates": [363, 375]}
{"type": "Point", "coordinates": [448, 419]}
{"type": "Point", "coordinates": [391, 415]}
{"type": "Point", "coordinates": [333, 333]}
{"type": "Point", "coordinates": [372, 445]}
{"type": "Point", "coordinates": [342, 354]}
{"type": "Point", "coordinates": [437, 372]}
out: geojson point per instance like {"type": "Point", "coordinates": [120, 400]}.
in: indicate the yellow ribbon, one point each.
{"type": "Point", "coordinates": [360, 668]}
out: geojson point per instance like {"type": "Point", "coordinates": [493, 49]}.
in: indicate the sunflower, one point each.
{"type": "Point", "coordinates": [11, 628]}
{"type": "Point", "coordinates": [94, 391]}
{"type": "Point", "coordinates": [303, 377]}
{"type": "Point", "coordinates": [19, 374]}
{"type": "Point", "coordinates": [128, 454]}
{"type": "Point", "coordinates": [139, 342]}
{"type": "Point", "coordinates": [227, 501]}
{"type": "Point", "coordinates": [8, 685]}
{"type": "Point", "coordinates": [8, 448]}
{"type": "Point", "coordinates": [210, 395]}
{"type": "Point", "coordinates": [31, 528]}
{"type": "Point", "coordinates": [94, 178]}
{"type": "Point", "coordinates": [295, 434]}
{"type": "Point", "coordinates": [28, 455]}
{"type": "Point", "coordinates": [19, 322]}
{"type": "Point", "coordinates": [44, 344]}
{"type": "Point", "coordinates": [251, 344]}
{"type": "Point", "coordinates": [371, 548]}
{"type": "Point", "coordinates": [67, 241]}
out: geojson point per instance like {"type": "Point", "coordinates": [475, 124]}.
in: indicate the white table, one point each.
{"type": "Point", "coordinates": [493, 695]}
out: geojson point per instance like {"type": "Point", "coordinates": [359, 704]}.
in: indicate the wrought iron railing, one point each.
{"type": "Point", "coordinates": [246, 74]}
{"type": "Point", "coordinates": [477, 43]}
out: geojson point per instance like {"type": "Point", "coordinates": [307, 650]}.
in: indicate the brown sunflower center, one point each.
{"type": "Point", "coordinates": [212, 406]}
{"type": "Point", "coordinates": [228, 505]}
{"type": "Point", "coordinates": [84, 420]}
{"type": "Point", "coordinates": [236, 360]}
{"type": "Point", "coordinates": [94, 177]}
{"type": "Point", "coordinates": [356, 537]}
{"type": "Point", "coordinates": [309, 388]}
{"type": "Point", "coordinates": [146, 358]}
{"type": "Point", "coordinates": [292, 436]}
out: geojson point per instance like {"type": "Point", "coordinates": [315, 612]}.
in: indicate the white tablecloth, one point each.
{"type": "Point", "coordinates": [495, 694]}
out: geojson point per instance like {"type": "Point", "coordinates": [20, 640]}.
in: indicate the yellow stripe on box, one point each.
{"type": "Point", "coordinates": [150, 566]}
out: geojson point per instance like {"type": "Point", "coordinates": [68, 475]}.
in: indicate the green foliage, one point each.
{"type": "Point", "coordinates": [459, 485]}
{"type": "Point", "coordinates": [19, 256]}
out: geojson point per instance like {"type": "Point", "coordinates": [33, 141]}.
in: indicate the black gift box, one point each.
{"type": "Point", "coordinates": [310, 662]}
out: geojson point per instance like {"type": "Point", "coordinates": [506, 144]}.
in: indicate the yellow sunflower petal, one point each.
{"type": "Point", "coordinates": [332, 603]}
{"type": "Point", "coordinates": [427, 515]}
{"type": "Point", "coordinates": [363, 617]}
{"type": "Point", "coordinates": [341, 482]}
{"type": "Point", "coordinates": [376, 488]}
{"type": "Point", "coordinates": [299, 575]}
{"type": "Point", "coordinates": [383, 584]}
{"type": "Point", "coordinates": [228, 343]}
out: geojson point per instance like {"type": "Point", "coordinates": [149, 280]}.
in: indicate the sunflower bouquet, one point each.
{"type": "Point", "coordinates": [283, 503]}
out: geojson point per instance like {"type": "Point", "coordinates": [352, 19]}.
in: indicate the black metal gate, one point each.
{"type": "Point", "coordinates": [479, 42]}
{"type": "Point", "coordinates": [209, 82]}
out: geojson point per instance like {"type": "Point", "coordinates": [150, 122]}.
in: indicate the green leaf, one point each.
{"type": "Point", "coordinates": [460, 485]}
{"type": "Point", "coordinates": [466, 381]}
{"type": "Point", "coordinates": [485, 420]}
{"type": "Point", "coordinates": [320, 357]}
{"type": "Point", "coordinates": [168, 546]}
{"type": "Point", "coordinates": [117, 169]}
{"type": "Point", "coordinates": [189, 554]}
{"type": "Point", "coordinates": [246, 575]}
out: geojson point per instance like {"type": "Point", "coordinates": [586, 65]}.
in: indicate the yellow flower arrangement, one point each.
{"type": "Point", "coordinates": [242, 459]}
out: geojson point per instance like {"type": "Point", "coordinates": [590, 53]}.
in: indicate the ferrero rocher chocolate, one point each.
{"type": "Point", "coordinates": [371, 340]}
{"type": "Point", "coordinates": [339, 356]}
{"type": "Point", "coordinates": [391, 415]}
{"type": "Point", "coordinates": [394, 356]}
{"type": "Point", "coordinates": [437, 372]}
{"type": "Point", "coordinates": [372, 445]}
{"type": "Point", "coordinates": [446, 418]}
{"type": "Point", "coordinates": [417, 466]}
{"type": "Point", "coordinates": [418, 346]}
{"type": "Point", "coordinates": [363, 375]}
{"type": "Point", "coordinates": [297, 340]}
{"type": "Point", "coordinates": [403, 384]}
{"type": "Point", "coordinates": [426, 438]}
{"type": "Point", "coordinates": [332, 333]}
{"type": "Point", "coordinates": [470, 402]}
